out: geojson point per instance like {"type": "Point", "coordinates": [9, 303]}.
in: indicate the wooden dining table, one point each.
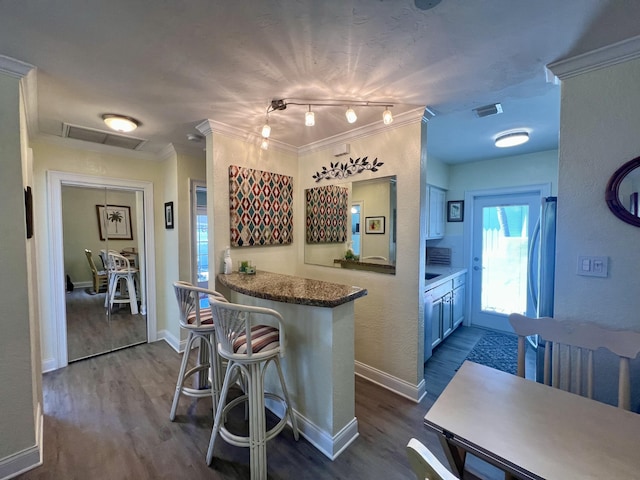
{"type": "Point", "coordinates": [533, 431]}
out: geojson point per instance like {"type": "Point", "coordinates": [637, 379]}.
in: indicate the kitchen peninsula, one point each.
{"type": "Point", "coordinates": [319, 353]}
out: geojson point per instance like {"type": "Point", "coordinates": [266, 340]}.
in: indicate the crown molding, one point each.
{"type": "Point", "coordinates": [607, 56]}
{"type": "Point", "coordinates": [29, 86]}
{"type": "Point", "coordinates": [207, 127]}
{"type": "Point", "coordinates": [407, 118]}
{"type": "Point", "coordinates": [14, 68]}
{"type": "Point", "coordinates": [167, 153]}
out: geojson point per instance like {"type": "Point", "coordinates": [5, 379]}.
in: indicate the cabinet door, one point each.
{"type": "Point", "coordinates": [435, 225]}
{"type": "Point", "coordinates": [436, 322]}
{"type": "Point", "coordinates": [458, 305]}
{"type": "Point", "coordinates": [447, 318]}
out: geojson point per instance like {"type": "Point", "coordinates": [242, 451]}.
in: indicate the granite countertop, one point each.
{"type": "Point", "coordinates": [444, 274]}
{"type": "Point", "coordinates": [290, 289]}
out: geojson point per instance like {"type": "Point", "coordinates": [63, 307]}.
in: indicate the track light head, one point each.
{"type": "Point", "coordinates": [309, 118]}
{"type": "Point", "coordinates": [351, 115]}
{"type": "Point", "coordinates": [387, 116]}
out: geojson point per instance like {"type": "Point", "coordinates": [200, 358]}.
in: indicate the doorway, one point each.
{"type": "Point", "coordinates": [502, 224]}
{"type": "Point", "coordinates": [141, 228]}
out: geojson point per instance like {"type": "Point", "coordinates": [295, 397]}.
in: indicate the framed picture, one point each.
{"type": "Point", "coordinates": [114, 222]}
{"type": "Point", "coordinates": [168, 215]}
{"type": "Point", "coordinates": [374, 225]}
{"type": "Point", "coordinates": [455, 211]}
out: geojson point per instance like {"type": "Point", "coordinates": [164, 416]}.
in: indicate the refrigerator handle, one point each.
{"type": "Point", "coordinates": [532, 287]}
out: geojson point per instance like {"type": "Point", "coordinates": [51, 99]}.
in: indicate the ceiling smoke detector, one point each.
{"type": "Point", "coordinates": [488, 110]}
{"type": "Point", "coordinates": [194, 137]}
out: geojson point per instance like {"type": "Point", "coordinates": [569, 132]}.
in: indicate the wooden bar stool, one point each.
{"type": "Point", "coordinates": [199, 323]}
{"type": "Point", "coordinates": [249, 348]}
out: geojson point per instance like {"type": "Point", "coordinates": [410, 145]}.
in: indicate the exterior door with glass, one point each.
{"type": "Point", "coordinates": [502, 228]}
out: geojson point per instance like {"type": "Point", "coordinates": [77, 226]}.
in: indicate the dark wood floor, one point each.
{"type": "Point", "coordinates": [90, 332]}
{"type": "Point", "coordinates": [107, 418]}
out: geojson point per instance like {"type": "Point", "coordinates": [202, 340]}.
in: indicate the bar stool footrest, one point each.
{"type": "Point", "coordinates": [242, 441]}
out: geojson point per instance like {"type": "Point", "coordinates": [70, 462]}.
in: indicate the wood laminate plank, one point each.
{"type": "Point", "coordinates": [107, 417]}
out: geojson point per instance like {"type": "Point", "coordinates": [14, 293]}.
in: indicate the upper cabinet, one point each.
{"type": "Point", "coordinates": [436, 209]}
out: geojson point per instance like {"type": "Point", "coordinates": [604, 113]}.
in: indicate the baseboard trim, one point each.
{"type": "Point", "coordinates": [173, 341]}
{"type": "Point", "coordinates": [27, 459]}
{"type": "Point", "coordinates": [49, 365]}
{"type": "Point", "coordinates": [329, 446]}
{"type": "Point", "coordinates": [398, 386]}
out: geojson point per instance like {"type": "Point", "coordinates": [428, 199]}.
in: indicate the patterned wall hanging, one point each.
{"type": "Point", "coordinates": [344, 170]}
{"type": "Point", "coordinates": [327, 214]}
{"type": "Point", "coordinates": [261, 207]}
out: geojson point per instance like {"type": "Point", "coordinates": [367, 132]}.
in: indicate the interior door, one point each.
{"type": "Point", "coordinates": [502, 227]}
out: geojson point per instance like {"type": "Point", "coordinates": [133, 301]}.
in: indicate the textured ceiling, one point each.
{"type": "Point", "coordinates": [174, 63]}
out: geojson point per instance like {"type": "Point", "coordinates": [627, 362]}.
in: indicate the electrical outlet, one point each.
{"type": "Point", "coordinates": [593, 266]}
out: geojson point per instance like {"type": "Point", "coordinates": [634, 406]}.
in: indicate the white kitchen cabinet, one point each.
{"type": "Point", "coordinates": [436, 209]}
{"type": "Point", "coordinates": [447, 312]}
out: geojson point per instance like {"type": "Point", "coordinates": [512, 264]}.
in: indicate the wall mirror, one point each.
{"type": "Point", "coordinates": [622, 192]}
{"type": "Point", "coordinates": [370, 219]}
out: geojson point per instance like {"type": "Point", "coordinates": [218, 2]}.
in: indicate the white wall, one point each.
{"type": "Point", "coordinates": [19, 379]}
{"type": "Point", "coordinates": [514, 171]}
{"type": "Point", "coordinates": [75, 157]}
{"type": "Point", "coordinates": [600, 121]}
{"type": "Point", "coordinates": [223, 151]}
{"type": "Point", "coordinates": [388, 320]}
{"type": "Point", "coordinates": [591, 149]}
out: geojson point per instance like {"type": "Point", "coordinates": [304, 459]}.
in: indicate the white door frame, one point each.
{"type": "Point", "coordinates": [57, 321]}
{"type": "Point", "coordinates": [469, 198]}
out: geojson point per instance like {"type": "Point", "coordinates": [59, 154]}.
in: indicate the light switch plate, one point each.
{"type": "Point", "coordinates": [593, 266]}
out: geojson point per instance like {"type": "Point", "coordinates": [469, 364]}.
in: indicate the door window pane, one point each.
{"type": "Point", "coordinates": [505, 242]}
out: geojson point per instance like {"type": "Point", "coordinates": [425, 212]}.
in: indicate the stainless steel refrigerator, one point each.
{"type": "Point", "coordinates": [542, 263]}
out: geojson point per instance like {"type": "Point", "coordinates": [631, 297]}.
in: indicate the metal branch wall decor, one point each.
{"type": "Point", "coordinates": [344, 170]}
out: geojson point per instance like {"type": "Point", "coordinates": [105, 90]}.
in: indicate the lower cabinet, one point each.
{"type": "Point", "coordinates": [447, 311]}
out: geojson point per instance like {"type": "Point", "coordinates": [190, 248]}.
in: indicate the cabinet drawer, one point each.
{"type": "Point", "coordinates": [459, 280]}
{"type": "Point", "coordinates": [440, 290]}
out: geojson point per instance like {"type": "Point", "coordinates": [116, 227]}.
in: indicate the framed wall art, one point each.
{"type": "Point", "coordinates": [374, 225]}
{"type": "Point", "coordinates": [168, 215]}
{"type": "Point", "coordinates": [455, 211]}
{"type": "Point", "coordinates": [114, 222]}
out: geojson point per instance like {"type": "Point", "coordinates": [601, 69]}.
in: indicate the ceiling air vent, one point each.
{"type": "Point", "coordinates": [104, 138]}
{"type": "Point", "coordinates": [487, 110]}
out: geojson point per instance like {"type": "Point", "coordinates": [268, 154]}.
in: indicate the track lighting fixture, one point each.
{"type": "Point", "coordinates": [309, 116]}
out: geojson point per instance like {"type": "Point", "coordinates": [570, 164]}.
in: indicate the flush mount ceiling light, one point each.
{"type": "Point", "coordinates": [120, 123]}
{"type": "Point", "coordinates": [511, 139]}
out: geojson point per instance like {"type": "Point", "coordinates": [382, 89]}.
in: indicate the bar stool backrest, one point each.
{"type": "Point", "coordinates": [240, 336]}
{"type": "Point", "coordinates": [192, 314]}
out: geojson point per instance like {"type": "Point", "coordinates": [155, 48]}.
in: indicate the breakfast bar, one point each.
{"type": "Point", "coordinates": [319, 361]}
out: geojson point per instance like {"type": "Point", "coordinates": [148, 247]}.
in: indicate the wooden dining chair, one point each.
{"type": "Point", "coordinates": [100, 277]}
{"type": "Point", "coordinates": [424, 463]}
{"type": "Point", "coordinates": [568, 354]}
